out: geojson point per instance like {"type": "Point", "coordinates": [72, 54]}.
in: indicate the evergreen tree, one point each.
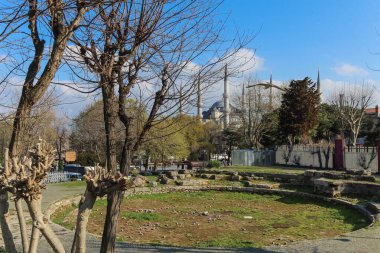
{"type": "Point", "coordinates": [299, 110]}
{"type": "Point", "coordinates": [329, 123]}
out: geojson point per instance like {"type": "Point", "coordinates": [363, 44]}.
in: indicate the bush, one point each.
{"type": "Point", "coordinates": [87, 158]}
{"type": "Point", "coordinates": [214, 164]}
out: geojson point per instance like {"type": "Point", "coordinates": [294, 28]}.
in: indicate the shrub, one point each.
{"type": "Point", "coordinates": [214, 164]}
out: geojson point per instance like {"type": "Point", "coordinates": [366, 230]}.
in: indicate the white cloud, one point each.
{"type": "Point", "coordinates": [347, 69]}
{"type": "Point", "coordinates": [245, 61]}
{"type": "Point", "coordinates": [330, 87]}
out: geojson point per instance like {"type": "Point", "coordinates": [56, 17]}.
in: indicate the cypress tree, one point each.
{"type": "Point", "coordinates": [298, 113]}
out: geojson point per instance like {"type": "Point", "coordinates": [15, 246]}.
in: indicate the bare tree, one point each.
{"type": "Point", "coordinates": [254, 104]}
{"type": "Point", "coordinates": [27, 29]}
{"type": "Point", "coordinates": [351, 102]}
{"type": "Point", "coordinates": [145, 50]}
{"type": "Point", "coordinates": [130, 49]}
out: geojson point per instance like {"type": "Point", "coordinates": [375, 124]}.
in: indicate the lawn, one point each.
{"type": "Point", "coordinates": [259, 169]}
{"type": "Point", "coordinates": [71, 184]}
{"type": "Point", "coordinates": [223, 219]}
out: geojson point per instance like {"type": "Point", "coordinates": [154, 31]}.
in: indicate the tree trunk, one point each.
{"type": "Point", "coordinates": [110, 116]}
{"type": "Point", "coordinates": [39, 222]}
{"type": "Point", "coordinates": [22, 223]}
{"type": "Point", "coordinates": [114, 200]}
{"type": "Point", "coordinates": [85, 206]}
{"type": "Point", "coordinates": [34, 239]}
{"type": "Point", "coordinates": [10, 246]}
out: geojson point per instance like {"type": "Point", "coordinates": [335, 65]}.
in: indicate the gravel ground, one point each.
{"type": "Point", "coordinates": [360, 241]}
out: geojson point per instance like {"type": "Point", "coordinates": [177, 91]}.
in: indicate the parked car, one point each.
{"type": "Point", "coordinates": [72, 176]}
{"type": "Point", "coordinates": [75, 168]}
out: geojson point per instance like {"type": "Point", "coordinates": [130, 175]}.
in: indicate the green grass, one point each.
{"type": "Point", "coordinates": [273, 216]}
{"type": "Point", "coordinates": [73, 184]}
{"type": "Point", "coordinates": [61, 216]}
{"type": "Point", "coordinates": [228, 241]}
{"type": "Point", "coordinates": [151, 178]}
{"type": "Point", "coordinates": [271, 170]}
{"type": "Point", "coordinates": [142, 216]}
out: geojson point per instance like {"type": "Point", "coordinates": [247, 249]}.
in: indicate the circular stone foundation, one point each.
{"type": "Point", "coordinates": [221, 219]}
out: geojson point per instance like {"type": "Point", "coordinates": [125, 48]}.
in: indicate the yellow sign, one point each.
{"type": "Point", "coordinates": [70, 156]}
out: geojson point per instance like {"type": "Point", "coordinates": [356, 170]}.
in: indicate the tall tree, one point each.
{"type": "Point", "coordinates": [144, 49]}
{"type": "Point", "coordinates": [29, 26]}
{"type": "Point", "coordinates": [329, 124]}
{"type": "Point", "coordinates": [254, 105]}
{"type": "Point", "coordinates": [351, 103]}
{"type": "Point", "coordinates": [298, 113]}
{"type": "Point", "coordinates": [232, 138]}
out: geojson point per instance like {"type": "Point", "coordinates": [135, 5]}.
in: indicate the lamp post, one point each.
{"type": "Point", "coordinates": [269, 85]}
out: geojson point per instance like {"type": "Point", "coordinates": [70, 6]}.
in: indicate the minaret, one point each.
{"type": "Point", "coordinates": [318, 83]}
{"type": "Point", "coordinates": [226, 99]}
{"type": "Point", "coordinates": [270, 93]}
{"type": "Point", "coordinates": [199, 104]}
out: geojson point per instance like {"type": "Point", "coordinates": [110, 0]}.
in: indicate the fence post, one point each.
{"type": "Point", "coordinates": [378, 155]}
{"type": "Point", "coordinates": [339, 154]}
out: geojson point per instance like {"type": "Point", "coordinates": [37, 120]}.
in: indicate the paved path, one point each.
{"type": "Point", "coordinates": [361, 241]}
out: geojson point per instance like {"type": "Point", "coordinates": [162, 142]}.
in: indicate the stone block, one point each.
{"type": "Point", "coordinates": [181, 176]}
{"type": "Point", "coordinates": [236, 178]}
{"type": "Point", "coordinates": [248, 178]}
{"type": "Point", "coordinates": [172, 174]}
{"type": "Point", "coordinates": [309, 173]}
{"type": "Point", "coordinates": [192, 183]}
{"type": "Point", "coordinates": [153, 184]}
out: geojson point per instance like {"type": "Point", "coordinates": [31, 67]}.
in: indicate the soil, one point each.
{"type": "Point", "coordinates": [223, 219]}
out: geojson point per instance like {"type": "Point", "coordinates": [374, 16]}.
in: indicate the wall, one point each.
{"type": "Point", "coordinates": [305, 156]}
{"type": "Point", "coordinates": [321, 157]}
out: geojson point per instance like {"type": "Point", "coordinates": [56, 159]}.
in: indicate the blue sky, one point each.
{"type": "Point", "coordinates": [296, 37]}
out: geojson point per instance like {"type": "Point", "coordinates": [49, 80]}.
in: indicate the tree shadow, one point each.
{"type": "Point", "coordinates": [122, 247]}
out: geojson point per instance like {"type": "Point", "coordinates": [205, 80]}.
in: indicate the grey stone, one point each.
{"type": "Point", "coordinates": [309, 173]}
{"type": "Point", "coordinates": [181, 176]}
{"type": "Point", "coordinates": [235, 178]}
{"type": "Point", "coordinates": [139, 180]}
{"type": "Point", "coordinates": [153, 184]}
{"type": "Point", "coordinates": [192, 182]}
{"type": "Point", "coordinates": [172, 174]}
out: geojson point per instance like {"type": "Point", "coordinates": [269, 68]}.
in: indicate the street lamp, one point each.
{"type": "Point", "coordinates": [269, 85]}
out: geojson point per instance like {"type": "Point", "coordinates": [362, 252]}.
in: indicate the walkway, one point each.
{"type": "Point", "coordinates": [361, 241]}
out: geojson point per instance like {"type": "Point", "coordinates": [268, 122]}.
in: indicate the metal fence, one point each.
{"type": "Point", "coordinates": [56, 177]}
{"type": "Point", "coordinates": [252, 157]}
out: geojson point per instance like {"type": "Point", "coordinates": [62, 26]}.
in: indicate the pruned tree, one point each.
{"type": "Point", "coordinates": [38, 33]}
{"type": "Point", "coordinates": [298, 113]}
{"type": "Point", "coordinates": [141, 49]}
{"type": "Point", "coordinates": [145, 50]}
{"type": "Point", "coordinates": [23, 177]}
{"type": "Point", "coordinates": [351, 103]}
